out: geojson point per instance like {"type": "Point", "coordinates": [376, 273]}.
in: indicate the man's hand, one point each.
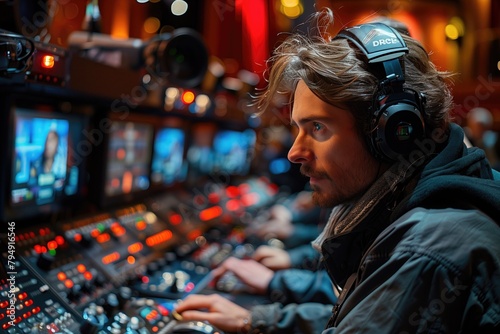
{"type": "Point", "coordinates": [272, 257]}
{"type": "Point", "coordinates": [250, 272]}
{"type": "Point", "coordinates": [218, 311]}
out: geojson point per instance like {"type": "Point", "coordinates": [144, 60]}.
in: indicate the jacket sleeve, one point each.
{"type": "Point", "coordinates": [306, 318]}
{"type": "Point", "coordinates": [304, 257]}
{"type": "Point", "coordinates": [301, 286]}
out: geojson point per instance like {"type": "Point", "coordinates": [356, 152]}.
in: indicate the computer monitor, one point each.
{"type": "Point", "coordinates": [233, 151]}
{"type": "Point", "coordinates": [46, 166]}
{"type": "Point", "coordinates": [128, 159]}
{"type": "Point", "coordinates": [168, 166]}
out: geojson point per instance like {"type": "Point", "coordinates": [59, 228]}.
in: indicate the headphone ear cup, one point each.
{"type": "Point", "coordinates": [396, 129]}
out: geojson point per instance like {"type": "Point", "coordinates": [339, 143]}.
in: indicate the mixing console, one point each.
{"type": "Point", "coordinates": [122, 271]}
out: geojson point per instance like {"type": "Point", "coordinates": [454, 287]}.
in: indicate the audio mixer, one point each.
{"type": "Point", "coordinates": [122, 271]}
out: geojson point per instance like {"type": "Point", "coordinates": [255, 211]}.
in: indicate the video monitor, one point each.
{"type": "Point", "coordinates": [168, 166]}
{"type": "Point", "coordinates": [128, 158]}
{"type": "Point", "coordinates": [233, 151]}
{"type": "Point", "coordinates": [46, 167]}
{"type": "Point", "coordinates": [200, 152]}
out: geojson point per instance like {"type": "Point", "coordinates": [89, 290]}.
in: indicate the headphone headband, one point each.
{"type": "Point", "coordinates": [397, 113]}
{"type": "Point", "coordinates": [378, 41]}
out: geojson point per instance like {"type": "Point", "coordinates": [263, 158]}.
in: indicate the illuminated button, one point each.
{"type": "Point", "coordinates": [87, 275]}
{"type": "Point", "coordinates": [140, 225]}
{"type": "Point", "coordinates": [22, 296]}
{"type": "Point", "coordinates": [60, 240]}
{"type": "Point", "coordinates": [48, 61]}
{"type": "Point", "coordinates": [81, 268]}
{"type": "Point", "coordinates": [29, 302]}
{"type": "Point", "coordinates": [176, 219]}
{"type": "Point", "coordinates": [61, 276]}
{"type": "Point", "coordinates": [68, 283]}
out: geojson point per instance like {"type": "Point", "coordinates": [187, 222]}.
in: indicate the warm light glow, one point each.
{"type": "Point", "coordinates": [117, 229]}
{"type": "Point", "coordinates": [102, 238]}
{"type": "Point", "coordinates": [127, 182]}
{"type": "Point", "coordinates": [159, 238]}
{"type": "Point", "coordinates": [140, 225]}
{"type": "Point", "coordinates": [110, 258]}
{"type": "Point", "coordinates": [81, 268]}
{"type": "Point", "coordinates": [233, 205]}
{"type": "Point", "coordinates": [290, 3]}
{"type": "Point", "coordinates": [68, 283]}
{"type": "Point", "coordinates": [451, 31]}
{"type": "Point", "coordinates": [48, 61]}
{"type": "Point", "coordinates": [498, 65]}
{"type": "Point", "coordinates": [134, 248]}
{"type": "Point", "coordinates": [120, 154]}
{"type": "Point", "coordinates": [250, 199]}
{"type": "Point", "coordinates": [292, 12]}
{"type": "Point", "coordinates": [455, 29]}
{"type": "Point", "coordinates": [151, 25]}
{"type": "Point", "coordinates": [52, 244]}
{"type": "Point", "coordinates": [179, 7]}
{"type": "Point", "coordinates": [175, 219]}
{"type": "Point", "coordinates": [210, 213]}
{"type": "Point", "coordinates": [188, 97]}
{"type": "Point", "coordinates": [131, 259]}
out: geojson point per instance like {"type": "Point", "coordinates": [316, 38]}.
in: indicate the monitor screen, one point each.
{"type": "Point", "coordinates": [168, 166]}
{"type": "Point", "coordinates": [46, 168]}
{"type": "Point", "coordinates": [233, 151]}
{"type": "Point", "coordinates": [128, 158]}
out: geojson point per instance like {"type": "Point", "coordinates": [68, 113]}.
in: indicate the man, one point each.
{"type": "Point", "coordinates": [412, 242]}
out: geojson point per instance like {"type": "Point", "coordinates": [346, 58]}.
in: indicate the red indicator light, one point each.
{"type": "Point", "coordinates": [52, 245]}
{"type": "Point", "coordinates": [60, 240]}
{"type": "Point", "coordinates": [232, 191]}
{"type": "Point", "coordinates": [210, 213]}
{"type": "Point", "coordinates": [233, 205]}
{"type": "Point", "coordinates": [105, 237]}
{"type": "Point", "coordinates": [176, 219]}
{"type": "Point", "coordinates": [48, 61]}
{"type": "Point", "coordinates": [187, 97]}
{"type": "Point", "coordinates": [78, 237]}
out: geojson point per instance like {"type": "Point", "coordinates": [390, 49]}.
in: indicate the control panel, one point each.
{"type": "Point", "coordinates": [122, 271]}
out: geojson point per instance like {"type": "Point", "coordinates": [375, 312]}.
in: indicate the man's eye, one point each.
{"type": "Point", "coordinates": [317, 126]}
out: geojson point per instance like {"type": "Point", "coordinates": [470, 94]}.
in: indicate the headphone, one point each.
{"type": "Point", "coordinates": [397, 113]}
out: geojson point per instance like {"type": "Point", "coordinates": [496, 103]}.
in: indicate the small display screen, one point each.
{"type": "Point", "coordinates": [46, 167]}
{"type": "Point", "coordinates": [233, 151]}
{"type": "Point", "coordinates": [168, 165]}
{"type": "Point", "coordinates": [128, 158]}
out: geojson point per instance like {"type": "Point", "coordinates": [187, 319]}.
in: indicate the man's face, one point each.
{"type": "Point", "coordinates": [330, 150]}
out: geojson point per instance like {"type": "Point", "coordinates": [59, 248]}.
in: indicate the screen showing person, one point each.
{"type": "Point", "coordinates": [129, 154]}
{"type": "Point", "coordinates": [168, 165]}
{"type": "Point", "coordinates": [233, 151]}
{"type": "Point", "coordinates": [41, 168]}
